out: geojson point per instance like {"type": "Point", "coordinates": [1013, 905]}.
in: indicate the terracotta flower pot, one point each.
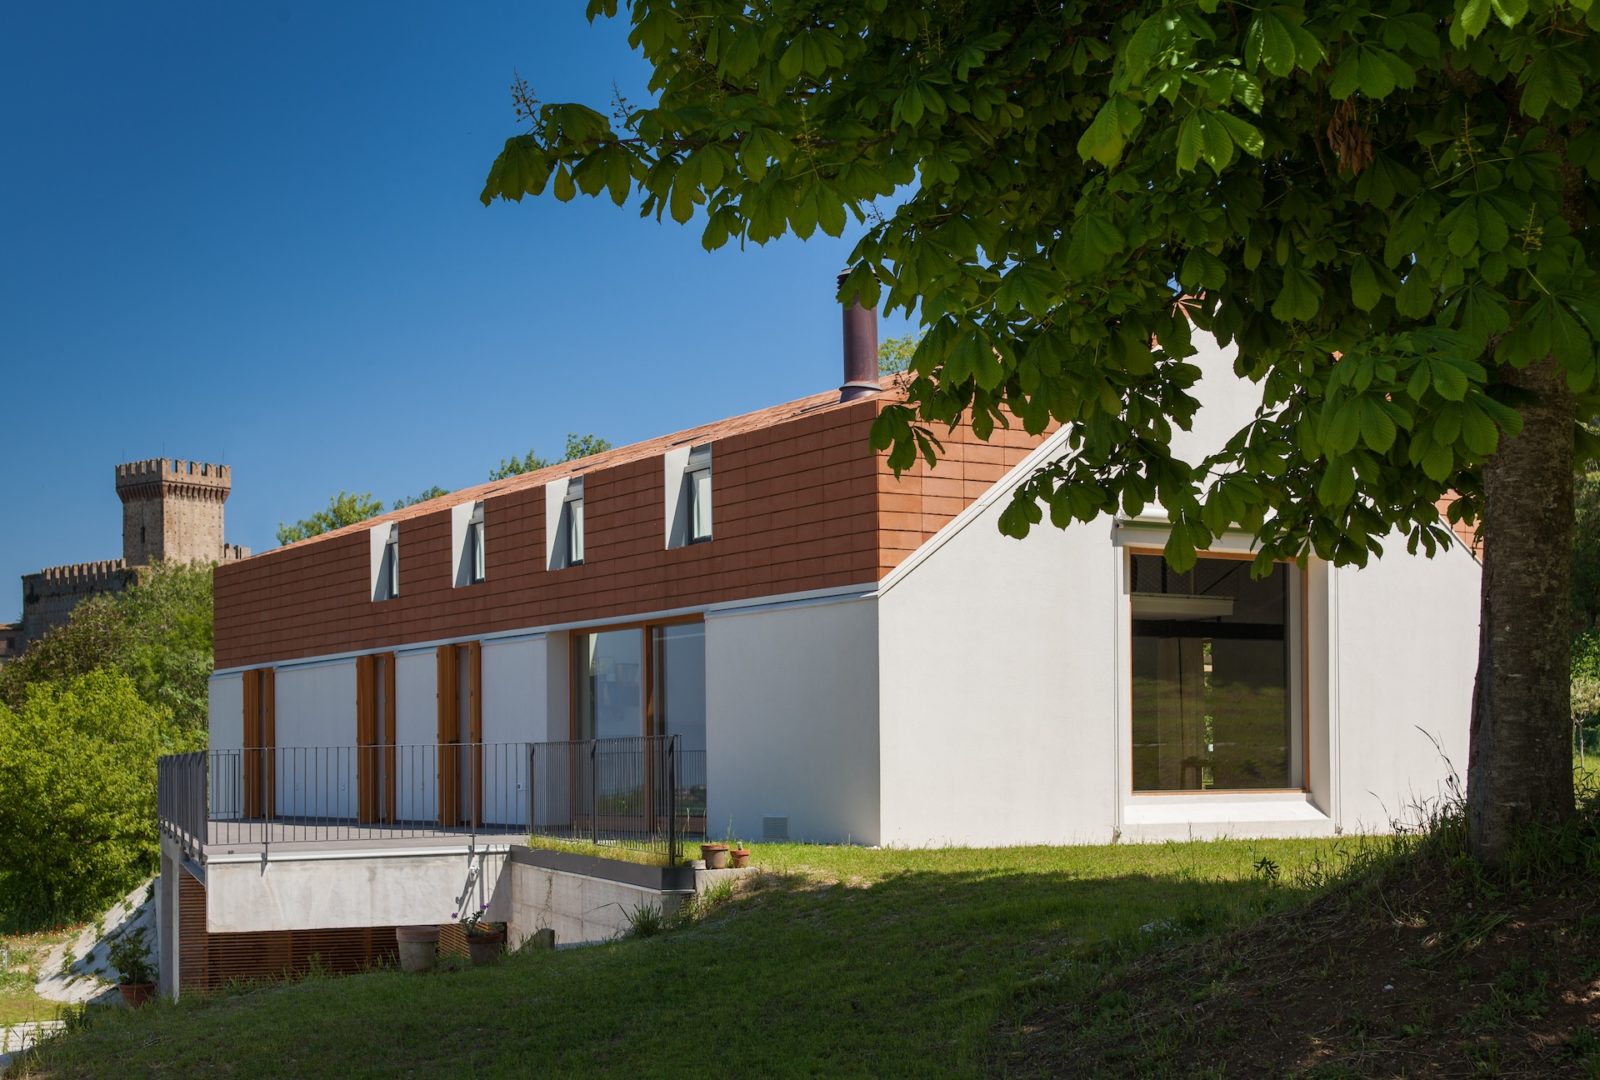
{"type": "Point", "coordinates": [419, 947]}
{"type": "Point", "coordinates": [715, 855]}
{"type": "Point", "coordinates": [136, 994]}
{"type": "Point", "coordinates": [485, 948]}
{"type": "Point", "coordinates": [741, 859]}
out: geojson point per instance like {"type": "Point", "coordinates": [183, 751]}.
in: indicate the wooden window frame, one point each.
{"type": "Point", "coordinates": [647, 680]}
{"type": "Point", "coordinates": [1302, 628]}
{"type": "Point", "coordinates": [375, 757]}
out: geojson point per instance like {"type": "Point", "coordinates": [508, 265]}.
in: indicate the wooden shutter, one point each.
{"type": "Point", "coordinates": [449, 735]}
{"type": "Point", "coordinates": [387, 662]}
{"type": "Point", "coordinates": [366, 739]}
{"type": "Point", "coordinates": [250, 759]}
{"type": "Point", "coordinates": [259, 762]}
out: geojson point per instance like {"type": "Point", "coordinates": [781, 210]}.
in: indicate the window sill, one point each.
{"type": "Point", "coordinates": [1290, 809]}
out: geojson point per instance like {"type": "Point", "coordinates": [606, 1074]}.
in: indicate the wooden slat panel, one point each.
{"type": "Point", "coordinates": [194, 965]}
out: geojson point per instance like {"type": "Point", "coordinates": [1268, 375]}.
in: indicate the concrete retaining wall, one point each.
{"type": "Point", "coordinates": [586, 900]}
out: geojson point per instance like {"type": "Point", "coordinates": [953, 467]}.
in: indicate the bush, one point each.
{"type": "Point", "coordinates": [157, 633]}
{"type": "Point", "coordinates": [130, 955]}
{"type": "Point", "coordinates": [78, 790]}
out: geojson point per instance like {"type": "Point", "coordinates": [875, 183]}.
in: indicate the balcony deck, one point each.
{"type": "Point", "coordinates": [233, 836]}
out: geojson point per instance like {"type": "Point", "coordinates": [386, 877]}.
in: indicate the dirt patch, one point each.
{"type": "Point", "coordinates": [1419, 975]}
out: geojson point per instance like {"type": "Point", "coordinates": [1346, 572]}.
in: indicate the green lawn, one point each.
{"type": "Point", "coordinates": [847, 962]}
{"type": "Point", "coordinates": [20, 957]}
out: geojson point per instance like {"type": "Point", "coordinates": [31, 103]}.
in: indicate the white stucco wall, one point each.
{"type": "Point", "coordinates": [791, 703]}
{"type": "Point", "coordinates": [998, 690]}
{"type": "Point", "coordinates": [1406, 629]}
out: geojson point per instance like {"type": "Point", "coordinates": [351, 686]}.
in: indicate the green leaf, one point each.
{"type": "Point", "coordinates": [1299, 299]}
{"type": "Point", "coordinates": [1462, 224]}
{"type": "Point", "coordinates": [1245, 134]}
{"type": "Point", "coordinates": [1377, 79]}
{"type": "Point", "coordinates": [564, 188]}
{"type": "Point", "coordinates": [1509, 12]}
{"type": "Point", "coordinates": [1337, 486]}
{"type": "Point", "coordinates": [1415, 297]}
{"type": "Point", "coordinates": [1449, 381]}
{"type": "Point", "coordinates": [1277, 46]}
{"type": "Point", "coordinates": [1478, 432]}
{"type": "Point", "coordinates": [1438, 463]}
{"type": "Point", "coordinates": [1470, 19]}
{"type": "Point", "coordinates": [1377, 427]}
{"type": "Point", "coordinates": [1342, 427]}
{"type": "Point", "coordinates": [1365, 292]}
{"type": "Point", "coordinates": [1102, 141]}
{"type": "Point", "coordinates": [1179, 550]}
{"type": "Point", "coordinates": [1191, 141]}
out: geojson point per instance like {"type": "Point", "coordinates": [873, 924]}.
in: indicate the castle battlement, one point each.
{"type": "Point", "coordinates": [173, 471]}
{"type": "Point", "coordinates": [84, 573]}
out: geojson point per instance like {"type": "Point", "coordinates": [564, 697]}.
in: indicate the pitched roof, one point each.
{"type": "Point", "coordinates": [621, 455]}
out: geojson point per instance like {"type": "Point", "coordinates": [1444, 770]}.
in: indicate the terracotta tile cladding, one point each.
{"type": "Point", "coordinates": [801, 501]}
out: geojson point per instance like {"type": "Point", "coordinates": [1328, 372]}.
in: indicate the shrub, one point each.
{"type": "Point", "coordinates": [158, 633]}
{"type": "Point", "coordinates": [130, 955]}
{"type": "Point", "coordinates": [77, 792]}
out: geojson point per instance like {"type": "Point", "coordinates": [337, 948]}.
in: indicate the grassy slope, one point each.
{"type": "Point", "coordinates": [853, 962]}
{"type": "Point", "coordinates": [1421, 966]}
{"type": "Point", "coordinates": [20, 955]}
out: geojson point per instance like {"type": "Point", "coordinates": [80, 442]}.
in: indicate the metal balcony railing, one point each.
{"type": "Point", "coordinates": [643, 792]}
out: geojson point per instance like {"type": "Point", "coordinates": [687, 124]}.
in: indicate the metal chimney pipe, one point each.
{"type": "Point", "coordinates": [860, 350]}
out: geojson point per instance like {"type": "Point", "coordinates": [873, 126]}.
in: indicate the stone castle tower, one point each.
{"type": "Point", "coordinates": [171, 512]}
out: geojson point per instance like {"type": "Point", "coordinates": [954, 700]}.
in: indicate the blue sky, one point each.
{"type": "Point", "coordinates": [251, 234]}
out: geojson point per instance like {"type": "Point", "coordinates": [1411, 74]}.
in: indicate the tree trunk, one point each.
{"type": "Point", "coordinates": [1519, 770]}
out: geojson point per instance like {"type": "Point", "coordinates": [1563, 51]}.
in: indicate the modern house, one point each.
{"type": "Point", "coordinates": [774, 637]}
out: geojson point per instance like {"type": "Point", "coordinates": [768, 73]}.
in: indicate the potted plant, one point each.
{"type": "Point", "coordinates": [136, 976]}
{"type": "Point", "coordinates": [740, 856]}
{"type": "Point", "coordinates": [419, 945]}
{"type": "Point", "coordinates": [484, 939]}
{"type": "Point", "coordinates": [715, 855]}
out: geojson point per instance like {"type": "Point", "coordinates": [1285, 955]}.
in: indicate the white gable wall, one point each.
{"type": "Point", "coordinates": [1004, 698]}
{"type": "Point", "coordinates": [997, 689]}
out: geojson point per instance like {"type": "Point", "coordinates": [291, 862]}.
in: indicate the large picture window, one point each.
{"type": "Point", "coordinates": [1212, 707]}
{"type": "Point", "coordinates": [610, 685]}
{"type": "Point", "coordinates": [647, 681]}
